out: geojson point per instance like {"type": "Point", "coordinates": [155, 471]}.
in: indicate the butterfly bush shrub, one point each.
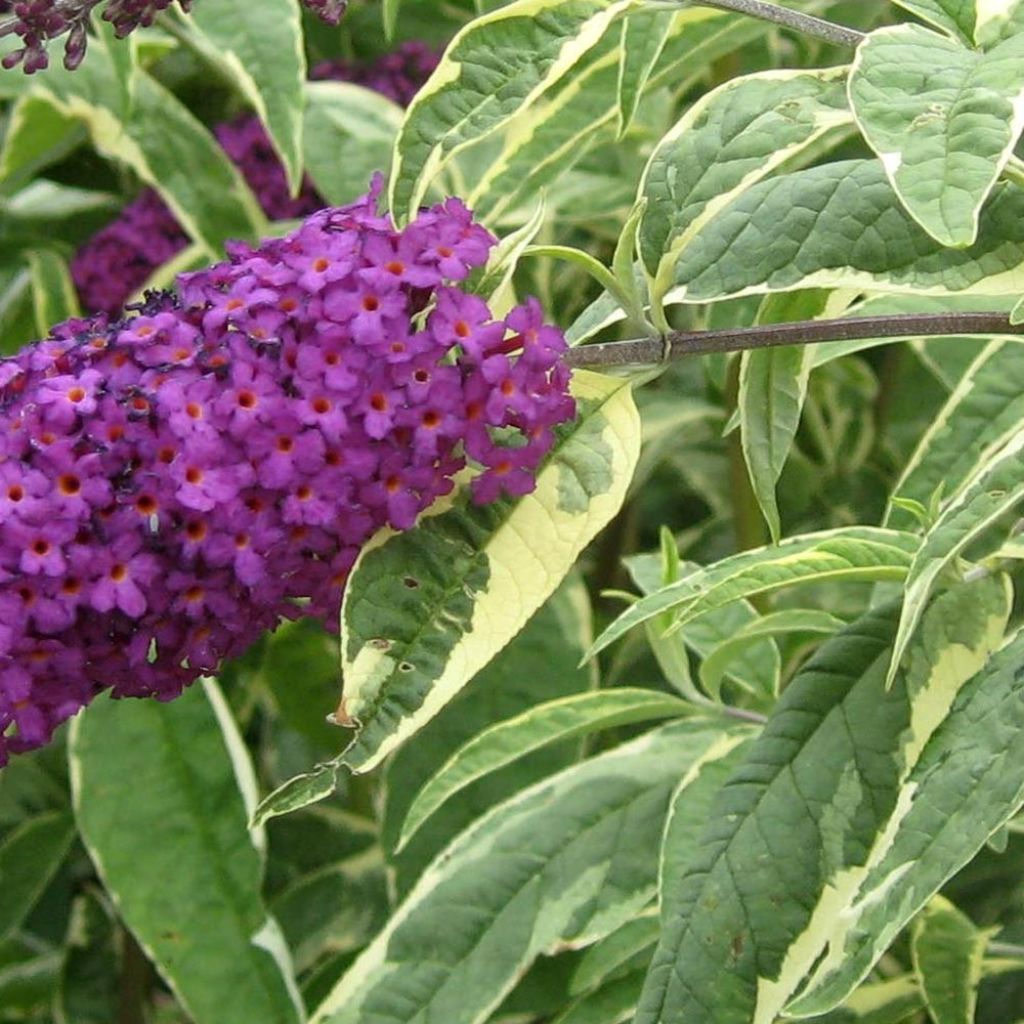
{"type": "Point", "coordinates": [577, 578]}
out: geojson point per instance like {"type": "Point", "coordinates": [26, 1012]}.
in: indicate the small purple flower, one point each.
{"type": "Point", "coordinates": [120, 576]}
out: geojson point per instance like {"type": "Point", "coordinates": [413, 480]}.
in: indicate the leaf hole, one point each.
{"type": "Point", "coordinates": [411, 582]}
{"type": "Point", "coordinates": [406, 666]}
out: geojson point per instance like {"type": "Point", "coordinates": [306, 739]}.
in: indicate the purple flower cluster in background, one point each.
{"type": "Point", "coordinates": [172, 483]}
{"type": "Point", "coordinates": [329, 11]}
{"type": "Point", "coordinates": [120, 258]}
{"type": "Point", "coordinates": [39, 21]}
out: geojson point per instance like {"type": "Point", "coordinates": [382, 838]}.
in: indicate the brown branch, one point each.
{"type": "Point", "coordinates": [804, 23]}
{"type": "Point", "coordinates": [679, 344]}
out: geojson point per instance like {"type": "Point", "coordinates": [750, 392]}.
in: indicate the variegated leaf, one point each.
{"type": "Point", "coordinates": [750, 922]}
{"type": "Point", "coordinates": [943, 119]}
{"type": "Point", "coordinates": [982, 414]}
{"type": "Point", "coordinates": [995, 487]}
{"type": "Point", "coordinates": [258, 48]}
{"type": "Point", "coordinates": [162, 142]}
{"type": "Point", "coordinates": [967, 783]}
{"type": "Point", "coordinates": [425, 610]}
{"type": "Point", "coordinates": [492, 71]}
{"type": "Point", "coordinates": [181, 866]}
{"type": "Point", "coordinates": [948, 950]}
{"type": "Point", "coordinates": [724, 144]}
{"type": "Point", "coordinates": [505, 742]}
{"type": "Point", "coordinates": [841, 225]}
{"type": "Point", "coordinates": [580, 112]}
{"type": "Point", "coordinates": [541, 870]}
{"type": "Point", "coordinates": [858, 552]}
{"type": "Point", "coordinates": [644, 34]}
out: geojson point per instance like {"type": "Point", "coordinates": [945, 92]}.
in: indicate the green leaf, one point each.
{"type": "Point", "coordinates": [850, 553]}
{"type": "Point", "coordinates": [301, 843]}
{"type": "Point", "coordinates": [337, 908]}
{"type": "Point", "coordinates": [623, 262]}
{"type": "Point", "coordinates": [492, 71]}
{"type": "Point", "coordinates": [162, 142]}
{"type": "Point", "coordinates": [258, 48]}
{"type": "Point", "coordinates": [644, 34]}
{"type": "Point", "coordinates": [692, 806]}
{"type": "Point", "coordinates": [43, 202]}
{"type": "Point", "coordinates": [90, 976]}
{"type": "Point", "coordinates": [982, 414]}
{"type": "Point", "coordinates": [948, 951]}
{"type": "Point", "coordinates": [426, 609]}
{"type": "Point", "coordinates": [772, 388]}
{"type": "Point", "coordinates": [615, 953]}
{"type": "Point", "coordinates": [300, 668]}
{"type": "Point", "coordinates": [725, 143]}
{"type": "Point", "coordinates": [54, 298]}
{"type": "Point", "coordinates": [995, 487]}
{"type": "Point", "coordinates": [123, 55]}
{"type": "Point", "coordinates": [181, 865]}
{"type": "Point", "coordinates": [36, 136]}
{"type": "Point", "coordinates": [755, 669]}
{"type": "Point", "coordinates": [542, 663]}
{"type": "Point", "coordinates": [954, 16]}
{"type": "Point", "coordinates": [894, 1001]}
{"type": "Point", "coordinates": [842, 226]}
{"type": "Point", "coordinates": [29, 857]}
{"type": "Point", "coordinates": [349, 134]}
{"type": "Point", "coordinates": [549, 137]}
{"type": "Point", "coordinates": [298, 792]}
{"type": "Point", "coordinates": [507, 741]}
{"type": "Point", "coordinates": [592, 266]}
{"type": "Point", "coordinates": [1017, 313]}
{"type": "Point", "coordinates": [943, 119]}
{"type": "Point", "coordinates": [801, 825]}
{"type": "Point", "coordinates": [566, 121]}
{"type": "Point", "coordinates": [612, 1003]}
{"type": "Point", "coordinates": [493, 282]}
{"type": "Point", "coordinates": [791, 620]}
{"type": "Point", "coordinates": [475, 919]}
{"type": "Point", "coordinates": [967, 784]}
{"type": "Point", "coordinates": [27, 986]}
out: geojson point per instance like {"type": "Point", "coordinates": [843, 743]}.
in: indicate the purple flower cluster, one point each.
{"type": "Point", "coordinates": [39, 21]}
{"type": "Point", "coordinates": [399, 75]}
{"type": "Point", "coordinates": [120, 258]}
{"type": "Point", "coordinates": [329, 11]}
{"type": "Point", "coordinates": [176, 482]}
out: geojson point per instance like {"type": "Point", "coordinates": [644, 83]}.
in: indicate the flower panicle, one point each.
{"type": "Point", "coordinates": [176, 481]}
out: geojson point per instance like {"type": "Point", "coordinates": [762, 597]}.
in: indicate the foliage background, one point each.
{"type": "Point", "coordinates": [137, 888]}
